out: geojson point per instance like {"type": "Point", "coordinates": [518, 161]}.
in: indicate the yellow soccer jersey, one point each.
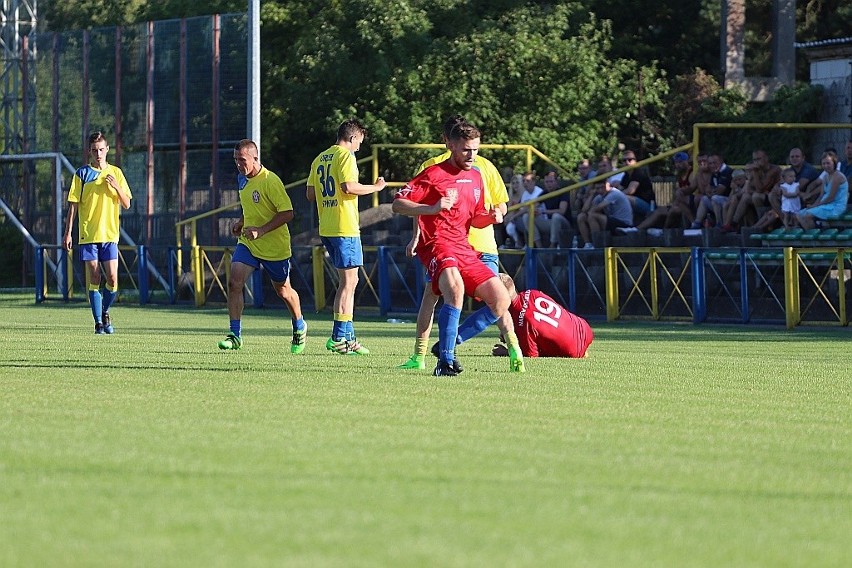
{"type": "Point", "coordinates": [262, 197]}
{"type": "Point", "coordinates": [338, 211]}
{"type": "Point", "coordinates": [482, 240]}
{"type": "Point", "coordinates": [98, 203]}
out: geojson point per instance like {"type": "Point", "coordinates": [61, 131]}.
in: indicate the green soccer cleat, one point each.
{"type": "Point", "coordinates": [414, 362]}
{"type": "Point", "coordinates": [355, 348]}
{"type": "Point", "coordinates": [516, 361]}
{"type": "Point", "coordinates": [339, 346]}
{"type": "Point", "coordinates": [297, 345]}
{"type": "Point", "coordinates": [231, 341]}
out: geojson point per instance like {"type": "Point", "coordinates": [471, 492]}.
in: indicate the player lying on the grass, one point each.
{"type": "Point", "coordinates": [447, 200]}
{"type": "Point", "coordinates": [544, 328]}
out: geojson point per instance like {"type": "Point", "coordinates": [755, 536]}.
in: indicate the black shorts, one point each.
{"type": "Point", "coordinates": [612, 224]}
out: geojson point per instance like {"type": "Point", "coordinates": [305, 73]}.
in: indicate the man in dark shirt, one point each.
{"type": "Point", "coordinates": [637, 186]}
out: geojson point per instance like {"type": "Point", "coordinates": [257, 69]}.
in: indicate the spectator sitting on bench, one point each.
{"type": "Point", "coordinates": [835, 195]}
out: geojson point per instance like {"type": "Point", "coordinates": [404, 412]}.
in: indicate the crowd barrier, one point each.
{"type": "Point", "coordinates": [783, 285]}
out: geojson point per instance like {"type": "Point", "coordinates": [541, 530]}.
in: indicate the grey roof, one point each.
{"type": "Point", "coordinates": [825, 42]}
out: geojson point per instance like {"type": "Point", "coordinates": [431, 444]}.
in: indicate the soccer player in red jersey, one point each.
{"type": "Point", "coordinates": [544, 328]}
{"type": "Point", "coordinates": [447, 200]}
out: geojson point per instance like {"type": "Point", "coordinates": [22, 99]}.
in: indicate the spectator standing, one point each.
{"type": "Point", "coordinates": [98, 192]}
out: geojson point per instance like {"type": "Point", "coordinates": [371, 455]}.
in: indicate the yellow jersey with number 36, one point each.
{"type": "Point", "coordinates": [338, 210]}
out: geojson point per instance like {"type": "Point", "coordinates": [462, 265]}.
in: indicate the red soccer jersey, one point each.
{"type": "Point", "coordinates": [448, 230]}
{"type": "Point", "coordinates": [546, 329]}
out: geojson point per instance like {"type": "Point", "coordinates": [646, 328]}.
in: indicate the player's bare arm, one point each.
{"type": "Point", "coordinates": [69, 226]}
{"type": "Point", "coordinates": [279, 219]}
{"type": "Point", "coordinates": [410, 248]}
{"type": "Point", "coordinates": [411, 209]}
{"type": "Point", "coordinates": [355, 188]}
{"type": "Point", "coordinates": [122, 196]}
{"type": "Point", "coordinates": [493, 217]}
{"type": "Point", "coordinates": [237, 228]}
{"type": "Point", "coordinates": [310, 193]}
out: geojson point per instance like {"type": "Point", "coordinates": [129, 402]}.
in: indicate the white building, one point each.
{"type": "Point", "coordinates": [831, 66]}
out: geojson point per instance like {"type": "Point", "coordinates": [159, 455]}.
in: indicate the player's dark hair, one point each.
{"type": "Point", "coordinates": [96, 137]}
{"type": "Point", "coordinates": [451, 123]}
{"type": "Point", "coordinates": [464, 131]}
{"type": "Point", "coordinates": [245, 143]}
{"type": "Point", "coordinates": [350, 128]}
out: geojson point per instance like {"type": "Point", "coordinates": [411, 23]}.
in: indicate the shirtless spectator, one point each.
{"type": "Point", "coordinates": [671, 216]}
{"type": "Point", "coordinates": [764, 176]}
{"type": "Point", "coordinates": [699, 186]}
{"type": "Point", "coordinates": [716, 194]}
{"type": "Point", "coordinates": [741, 189]}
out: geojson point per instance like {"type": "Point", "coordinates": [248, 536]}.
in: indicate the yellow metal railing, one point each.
{"type": "Point", "coordinates": [530, 205]}
{"type": "Point", "coordinates": [655, 271]}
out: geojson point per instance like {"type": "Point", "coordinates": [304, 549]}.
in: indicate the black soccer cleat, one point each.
{"type": "Point", "coordinates": [436, 351]}
{"type": "Point", "coordinates": [444, 370]}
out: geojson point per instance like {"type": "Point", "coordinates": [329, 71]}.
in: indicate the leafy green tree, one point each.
{"type": "Point", "coordinates": [532, 73]}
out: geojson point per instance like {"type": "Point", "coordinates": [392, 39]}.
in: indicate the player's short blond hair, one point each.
{"type": "Point", "coordinates": [509, 284]}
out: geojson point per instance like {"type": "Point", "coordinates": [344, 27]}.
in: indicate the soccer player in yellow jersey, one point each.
{"type": "Point", "coordinates": [264, 239]}
{"type": "Point", "coordinates": [98, 192]}
{"type": "Point", "coordinates": [482, 241]}
{"type": "Point", "coordinates": [333, 185]}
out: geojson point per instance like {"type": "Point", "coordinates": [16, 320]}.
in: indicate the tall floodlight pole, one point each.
{"type": "Point", "coordinates": [253, 117]}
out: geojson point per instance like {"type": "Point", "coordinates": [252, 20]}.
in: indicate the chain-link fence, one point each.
{"type": "Point", "coordinates": [170, 97]}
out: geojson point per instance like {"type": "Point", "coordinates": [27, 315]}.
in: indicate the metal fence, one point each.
{"type": "Point", "coordinates": [170, 96]}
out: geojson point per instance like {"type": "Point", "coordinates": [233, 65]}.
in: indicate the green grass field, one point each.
{"type": "Point", "coordinates": [672, 445]}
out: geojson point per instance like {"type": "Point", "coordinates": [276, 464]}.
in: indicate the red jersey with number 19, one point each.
{"type": "Point", "coordinates": [446, 232]}
{"type": "Point", "coordinates": [546, 329]}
